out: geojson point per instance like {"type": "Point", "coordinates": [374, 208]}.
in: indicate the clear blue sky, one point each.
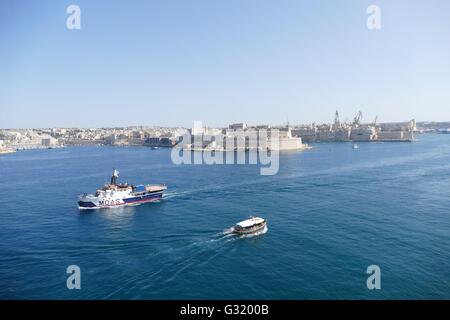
{"type": "Point", "coordinates": [258, 61]}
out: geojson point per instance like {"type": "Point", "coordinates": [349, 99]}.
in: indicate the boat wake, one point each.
{"type": "Point", "coordinates": [207, 189]}
{"type": "Point", "coordinates": [228, 231]}
{"type": "Point", "coordinates": [170, 195]}
{"type": "Point", "coordinates": [222, 236]}
{"type": "Point", "coordinates": [177, 260]}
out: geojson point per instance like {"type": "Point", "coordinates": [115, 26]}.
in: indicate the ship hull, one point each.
{"type": "Point", "coordinates": [250, 231]}
{"type": "Point", "coordinates": [90, 204]}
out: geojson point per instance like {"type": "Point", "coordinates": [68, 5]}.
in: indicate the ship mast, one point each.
{"type": "Point", "coordinates": [114, 177]}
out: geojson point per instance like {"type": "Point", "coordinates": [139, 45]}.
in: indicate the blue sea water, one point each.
{"type": "Point", "coordinates": [332, 211]}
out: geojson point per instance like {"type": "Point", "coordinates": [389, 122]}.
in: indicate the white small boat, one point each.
{"type": "Point", "coordinates": [355, 146]}
{"type": "Point", "coordinates": [252, 225]}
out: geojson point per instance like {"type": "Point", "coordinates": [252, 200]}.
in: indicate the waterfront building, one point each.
{"type": "Point", "coordinates": [288, 141]}
{"type": "Point", "coordinates": [238, 126]}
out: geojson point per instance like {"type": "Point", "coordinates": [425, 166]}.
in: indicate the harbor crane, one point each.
{"type": "Point", "coordinates": [358, 118]}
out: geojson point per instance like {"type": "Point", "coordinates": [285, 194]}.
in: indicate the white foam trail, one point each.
{"type": "Point", "coordinates": [223, 235]}
{"type": "Point", "coordinates": [228, 231]}
{"type": "Point", "coordinates": [209, 188]}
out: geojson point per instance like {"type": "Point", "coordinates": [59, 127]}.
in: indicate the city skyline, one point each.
{"type": "Point", "coordinates": [169, 64]}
